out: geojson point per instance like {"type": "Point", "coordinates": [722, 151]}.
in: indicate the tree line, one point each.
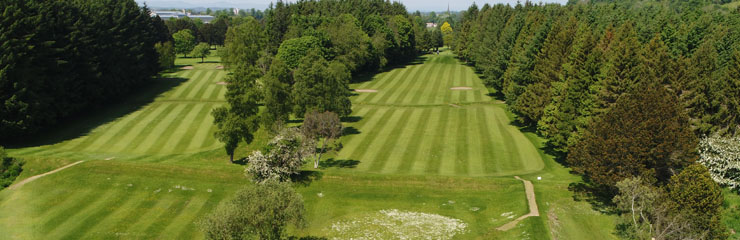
{"type": "Point", "coordinates": [622, 90]}
{"type": "Point", "coordinates": [301, 58]}
{"type": "Point", "coordinates": [60, 58]}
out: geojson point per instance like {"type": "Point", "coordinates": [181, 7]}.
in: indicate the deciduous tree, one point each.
{"type": "Point", "coordinates": [202, 50]}
{"type": "Point", "coordinates": [184, 41]}
{"type": "Point", "coordinates": [323, 127]}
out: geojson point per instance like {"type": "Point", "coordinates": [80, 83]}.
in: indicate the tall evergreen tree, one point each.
{"type": "Point", "coordinates": [621, 69]}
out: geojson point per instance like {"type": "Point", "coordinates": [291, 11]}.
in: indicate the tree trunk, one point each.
{"type": "Point", "coordinates": [321, 150]}
{"type": "Point", "coordinates": [231, 157]}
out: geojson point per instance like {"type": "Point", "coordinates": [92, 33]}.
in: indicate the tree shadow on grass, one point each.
{"type": "Point", "coordinates": [350, 131]}
{"type": "Point", "coordinates": [82, 123]}
{"type": "Point", "coordinates": [351, 119]}
{"type": "Point", "coordinates": [599, 199]}
{"type": "Point", "coordinates": [344, 163]}
{"type": "Point", "coordinates": [306, 177]}
{"type": "Point", "coordinates": [308, 238]}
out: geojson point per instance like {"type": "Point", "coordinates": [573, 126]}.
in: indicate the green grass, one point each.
{"type": "Point", "coordinates": [415, 145]}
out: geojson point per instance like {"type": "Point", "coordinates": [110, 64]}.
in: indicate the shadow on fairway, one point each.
{"type": "Point", "coordinates": [305, 177]}
{"type": "Point", "coordinates": [331, 162]}
{"type": "Point", "coordinates": [351, 119]}
{"type": "Point", "coordinates": [366, 75]}
{"type": "Point", "coordinates": [82, 123]}
{"type": "Point", "coordinates": [350, 131]}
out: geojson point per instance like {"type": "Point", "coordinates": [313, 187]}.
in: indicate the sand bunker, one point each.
{"type": "Point", "coordinates": [187, 67]}
{"type": "Point", "coordinates": [366, 90]}
{"type": "Point", "coordinates": [219, 67]}
{"type": "Point", "coordinates": [461, 88]}
{"type": "Point", "coordinates": [222, 83]}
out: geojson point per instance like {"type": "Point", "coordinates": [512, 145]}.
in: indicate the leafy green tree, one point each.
{"type": "Point", "coordinates": [292, 51]}
{"type": "Point", "coordinates": [321, 86]}
{"type": "Point", "coordinates": [243, 44]}
{"type": "Point", "coordinates": [447, 33]}
{"type": "Point", "coordinates": [278, 100]}
{"type": "Point", "coordinates": [166, 52]}
{"type": "Point", "coordinates": [202, 50]}
{"type": "Point", "coordinates": [644, 135]}
{"type": "Point", "coordinates": [700, 198]}
{"type": "Point", "coordinates": [323, 127]}
{"type": "Point", "coordinates": [350, 44]}
{"type": "Point", "coordinates": [239, 120]}
{"type": "Point", "coordinates": [261, 211]}
{"type": "Point", "coordinates": [184, 42]}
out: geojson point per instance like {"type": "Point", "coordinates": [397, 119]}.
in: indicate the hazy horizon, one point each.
{"type": "Point", "coordinates": [411, 5]}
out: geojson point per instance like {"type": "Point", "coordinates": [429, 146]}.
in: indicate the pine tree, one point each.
{"type": "Point", "coordinates": [621, 69]}
{"type": "Point", "coordinates": [645, 134]}
{"type": "Point", "coordinates": [698, 197]}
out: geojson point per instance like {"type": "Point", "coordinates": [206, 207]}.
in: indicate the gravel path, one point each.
{"type": "Point", "coordinates": [31, 179]}
{"type": "Point", "coordinates": [533, 210]}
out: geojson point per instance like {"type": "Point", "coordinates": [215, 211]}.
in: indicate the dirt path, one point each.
{"type": "Point", "coordinates": [31, 179]}
{"type": "Point", "coordinates": [533, 210]}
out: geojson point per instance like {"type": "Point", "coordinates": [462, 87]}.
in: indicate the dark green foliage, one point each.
{"type": "Point", "coordinates": [321, 86]}
{"type": "Point", "coordinates": [243, 44]}
{"type": "Point", "coordinates": [10, 168]}
{"type": "Point", "coordinates": [621, 68]}
{"type": "Point", "coordinates": [238, 121]}
{"type": "Point", "coordinates": [166, 52]}
{"type": "Point", "coordinates": [292, 51]}
{"type": "Point", "coordinates": [202, 50]}
{"type": "Point", "coordinates": [184, 42]}
{"type": "Point", "coordinates": [645, 135]}
{"type": "Point", "coordinates": [278, 99]}
{"type": "Point", "coordinates": [699, 198]}
{"type": "Point", "coordinates": [261, 211]}
{"type": "Point", "coordinates": [62, 57]}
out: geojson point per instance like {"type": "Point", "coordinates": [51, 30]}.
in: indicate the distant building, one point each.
{"type": "Point", "coordinates": [431, 25]}
{"type": "Point", "coordinates": [236, 11]}
{"type": "Point", "coordinates": [166, 15]}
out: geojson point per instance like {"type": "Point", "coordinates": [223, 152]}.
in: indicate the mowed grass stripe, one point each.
{"type": "Point", "coordinates": [184, 133]}
{"type": "Point", "coordinates": [210, 93]}
{"type": "Point", "coordinates": [372, 143]}
{"type": "Point", "coordinates": [116, 130]}
{"type": "Point", "coordinates": [110, 225]}
{"type": "Point", "coordinates": [433, 122]}
{"type": "Point", "coordinates": [198, 90]}
{"type": "Point", "coordinates": [189, 230]}
{"type": "Point", "coordinates": [143, 124]}
{"type": "Point", "coordinates": [461, 157]}
{"type": "Point", "coordinates": [147, 216]}
{"type": "Point", "coordinates": [475, 146]}
{"type": "Point", "coordinates": [369, 132]}
{"type": "Point", "coordinates": [170, 214]}
{"type": "Point", "coordinates": [92, 137]}
{"type": "Point", "coordinates": [148, 138]}
{"type": "Point", "coordinates": [365, 114]}
{"type": "Point", "coordinates": [210, 142]}
{"type": "Point", "coordinates": [170, 126]}
{"type": "Point", "coordinates": [191, 80]}
{"type": "Point", "coordinates": [405, 138]}
{"type": "Point", "coordinates": [69, 209]}
{"type": "Point", "coordinates": [420, 79]}
{"type": "Point", "coordinates": [202, 133]}
{"type": "Point", "coordinates": [507, 140]}
{"type": "Point", "coordinates": [188, 215]}
{"type": "Point", "coordinates": [448, 159]}
{"type": "Point", "coordinates": [221, 94]}
{"type": "Point", "coordinates": [412, 150]}
{"type": "Point", "coordinates": [137, 212]}
{"type": "Point", "coordinates": [389, 88]}
{"type": "Point", "coordinates": [428, 81]}
{"type": "Point", "coordinates": [389, 143]}
{"type": "Point", "coordinates": [445, 92]}
{"type": "Point", "coordinates": [526, 153]}
{"type": "Point", "coordinates": [438, 145]}
{"type": "Point", "coordinates": [377, 84]}
{"type": "Point", "coordinates": [437, 85]}
{"type": "Point", "coordinates": [486, 144]}
{"type": "Point", "coordinates": [97, 215]}
{"type": "Point", "coordinates": [409, 78]}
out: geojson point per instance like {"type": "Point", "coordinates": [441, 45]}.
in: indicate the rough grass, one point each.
{"type": "Point", "coordinates": [415, 145]}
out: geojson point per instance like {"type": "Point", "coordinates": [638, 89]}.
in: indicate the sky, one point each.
{"type": "Point", "coordinates": [411, 5]}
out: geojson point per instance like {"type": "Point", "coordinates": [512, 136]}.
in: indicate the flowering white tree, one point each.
{"type": "Point", "coordinates": [284, 157]}
{"type": "Point", "coordinates": [721, 155]}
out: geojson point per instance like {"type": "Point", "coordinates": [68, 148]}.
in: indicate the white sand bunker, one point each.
{"type": "Point", "coordinates": [461, 88]}
{"type": "Point", "coordinates": [219, 67]}
{"type": "Point", "coordinates": [222, 83]}
{"type": "Point", "coordinates": [396, 224]}
{"type": "Point", "coordinates": [366, 90]}
{"type": "Point", "coordinates": [187, 67]}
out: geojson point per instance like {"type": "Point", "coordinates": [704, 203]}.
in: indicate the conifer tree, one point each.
{"type": "Point", "coordinates": [621, 69]}
{"type": "Point", "coordinates": [646, 134]}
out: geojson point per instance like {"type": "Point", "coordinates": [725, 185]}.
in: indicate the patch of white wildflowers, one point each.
{"type": "Point", "coordinates": [397, 224]}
